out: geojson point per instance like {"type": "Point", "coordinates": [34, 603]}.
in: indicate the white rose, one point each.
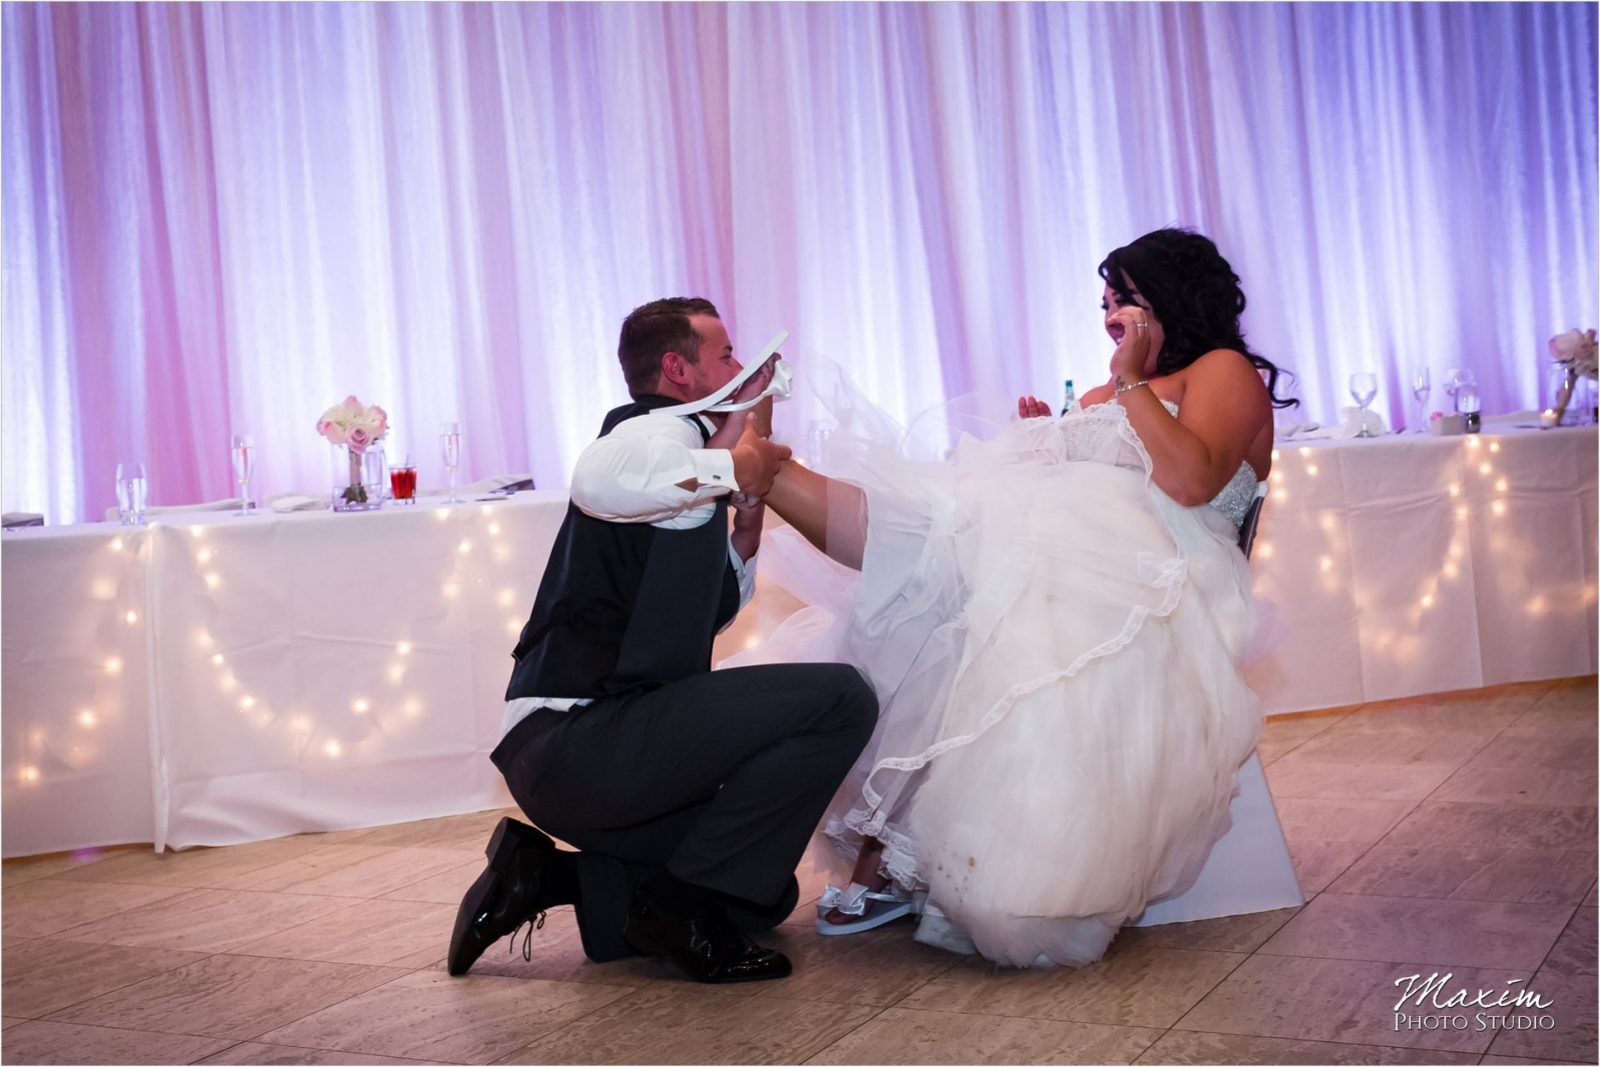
{"type": "Point", "coordinates": [1583, 357]}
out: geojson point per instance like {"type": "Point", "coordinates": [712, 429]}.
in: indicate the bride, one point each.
{"type": "Point", "coordinates": [1054, 620]}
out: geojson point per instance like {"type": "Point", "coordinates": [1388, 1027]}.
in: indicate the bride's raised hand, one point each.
{"type": "Point", "coordinates": [1031, 407]}
{"type": "Point", "coordinates": [1131, 327]}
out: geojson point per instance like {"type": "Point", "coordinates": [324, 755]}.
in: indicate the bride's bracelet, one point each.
{"type": "Point", "coordinates": [1124, 387]}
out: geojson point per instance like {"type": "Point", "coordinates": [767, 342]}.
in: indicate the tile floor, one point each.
{"type": "Point", "coordinates": [1452, 834]}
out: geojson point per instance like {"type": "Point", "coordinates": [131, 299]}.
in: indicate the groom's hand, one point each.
{"type": "Point", "coordinates": [756, 461]}
{"type": "Point", "coordinates": [748, 513]}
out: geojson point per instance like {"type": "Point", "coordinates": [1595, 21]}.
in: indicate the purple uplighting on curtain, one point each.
{"type": "Point", "coordinates": [224, 218]}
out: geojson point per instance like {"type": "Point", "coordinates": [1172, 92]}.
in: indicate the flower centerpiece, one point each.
{"type": "Point", "coordinates": [353, 428]}
{"type": "Point", "coordinates": [1574, 352]}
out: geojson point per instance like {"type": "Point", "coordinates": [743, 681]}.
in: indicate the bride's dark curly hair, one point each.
{"type": "Point", "coordinates": [1195, 294]}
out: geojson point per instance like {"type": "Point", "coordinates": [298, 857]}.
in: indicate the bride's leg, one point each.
{"type": "Point", "coordinates": [831, 514]}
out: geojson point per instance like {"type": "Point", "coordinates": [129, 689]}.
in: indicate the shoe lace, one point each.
{"type": "Point", "coordinates": [535, 923]}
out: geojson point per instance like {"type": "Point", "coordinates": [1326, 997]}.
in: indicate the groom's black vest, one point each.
{"type": "Point", "coordinates": [625, 606]}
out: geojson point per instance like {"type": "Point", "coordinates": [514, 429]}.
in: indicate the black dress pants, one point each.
{"type": "Point", "coordinates": [720, 778]}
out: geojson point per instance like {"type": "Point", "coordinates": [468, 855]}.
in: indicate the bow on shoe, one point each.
{"type": "Point", "coordinates": [854, 900]}
{"type": "Point", "coordinates": [851, 900]}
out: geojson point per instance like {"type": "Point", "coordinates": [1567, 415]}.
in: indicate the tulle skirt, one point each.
{"type": "Point", "coordinates": [1057, 648]}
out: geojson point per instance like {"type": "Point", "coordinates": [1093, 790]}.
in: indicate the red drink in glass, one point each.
{"type": "Point", "coordinates": [403, 484]}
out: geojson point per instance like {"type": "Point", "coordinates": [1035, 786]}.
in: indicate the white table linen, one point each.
{"type": "Point", "coordinates": [212, 679]}
{"type": "Point", "coordinates": [1417, 564]}
{"type": "Point", "coordinates": [284, 673]}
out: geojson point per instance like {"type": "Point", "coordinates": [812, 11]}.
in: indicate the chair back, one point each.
{"type": "Point", "coordinates": [1252, 515]}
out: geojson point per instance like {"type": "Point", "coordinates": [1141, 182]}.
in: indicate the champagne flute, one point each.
{"type": "Point", "coordinates": [244, 465]}
{"type": "Point", "coordinates": [1363, 387]}
{"type": "Point", "coordinates": [450, 452]}
{"type": "Point", "coordinates": [1421, 386]}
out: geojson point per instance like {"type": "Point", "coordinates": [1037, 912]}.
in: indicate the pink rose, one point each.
{"type": "Point", "coordinates": [358, 439]}
{"type": "Point", "coordinates": [381, 427]}
{"type": "Point", "coordinates": [332, 431]}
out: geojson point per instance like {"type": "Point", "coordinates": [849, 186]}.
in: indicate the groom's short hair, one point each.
{"type": "Point", "coordinates": [651, 331]}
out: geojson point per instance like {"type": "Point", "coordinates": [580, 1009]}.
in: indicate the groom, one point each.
{"type": "Point", "coordinates": [690, 793]}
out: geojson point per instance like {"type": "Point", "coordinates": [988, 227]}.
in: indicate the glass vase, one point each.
{"type": "Point", "coordinates": [358, 478]}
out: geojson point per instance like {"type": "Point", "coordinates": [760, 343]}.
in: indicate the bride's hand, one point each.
{"type": "Point", "coordinates": [1031, 407]}
{"type": "Point", "coordinates": [1134, 347]}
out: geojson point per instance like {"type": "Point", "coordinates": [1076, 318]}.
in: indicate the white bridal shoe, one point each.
{"type": "Point", "coordinates": [778, 388]}
{"type": "Point", "coordinates": [853, 900]}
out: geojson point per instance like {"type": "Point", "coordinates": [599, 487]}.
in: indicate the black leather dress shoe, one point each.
{"type": "Point", "coordinates": [505, 895]}
{"type": "Point", "coordinates": [706, 947]}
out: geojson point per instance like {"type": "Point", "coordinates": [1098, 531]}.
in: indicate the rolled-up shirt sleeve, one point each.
{"type": "Point", "coordinates": [633, 474]}
{"type": "Point", "coordinates": [745, 571]}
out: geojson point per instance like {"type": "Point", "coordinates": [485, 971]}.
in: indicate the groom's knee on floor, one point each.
{"type": "Point", "coordinates": [856, 704]}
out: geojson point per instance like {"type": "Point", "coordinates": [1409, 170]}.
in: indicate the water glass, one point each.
{"type": "Point", "coordinates": [1467, 404]}
{"type": "Point", "coordinates": [815, 443]}
{"type": "Point", "coordinates": [403, 482]}
{"type": "Point", "coordinates": [1454, 379]}
{"type": "Point", "coordinates": [450, 452]}
{"type": "Point", "coordinates": [375, 474]}
{"type": "Point", "coordinates": [1363, 387]}
{"type": "Point", "coordinates": [244, 466]}
{"type": "Point", "coordinates": [131, 492]}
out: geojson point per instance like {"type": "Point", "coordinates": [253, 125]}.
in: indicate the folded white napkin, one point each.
{"type": "Point", "coordinates": [231, 504]}
{"type": "Point", "coordinates": [289, 502]}
{"type": "Point", "coordinates": [1351, 422]}
{"type": "Point", "coordinates": [479, 487]}
{"type": "Point", "coordinates": [13, 519]}
{"type": "Point", "coordinates": [1511, 418]}
{"type": "Point", "coordinates": [1301, 430]}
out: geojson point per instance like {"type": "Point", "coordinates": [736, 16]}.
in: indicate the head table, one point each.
{"type": "Point", "coordinates": [210, 679]}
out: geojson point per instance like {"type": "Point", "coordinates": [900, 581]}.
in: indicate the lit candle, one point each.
{"type": "Point", "coordinates": [1548, 418]}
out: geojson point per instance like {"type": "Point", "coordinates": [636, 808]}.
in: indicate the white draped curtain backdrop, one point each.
{"type": "Point", "coordinates": [224, 218]}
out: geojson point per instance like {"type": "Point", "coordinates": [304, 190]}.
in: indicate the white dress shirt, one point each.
{"type": "Point", "coordinates": [632, 475]}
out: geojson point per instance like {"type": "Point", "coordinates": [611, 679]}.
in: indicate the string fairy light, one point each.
{"type": "Point", "coordinates": [389, 709]}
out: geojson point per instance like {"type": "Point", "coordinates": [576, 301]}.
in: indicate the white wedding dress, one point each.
{"type": "Point", "coordinates": [1057, 648]}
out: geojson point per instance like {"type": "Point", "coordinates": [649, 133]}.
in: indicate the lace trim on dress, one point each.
{"type": "Point", "coordinates": [898, 860]}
